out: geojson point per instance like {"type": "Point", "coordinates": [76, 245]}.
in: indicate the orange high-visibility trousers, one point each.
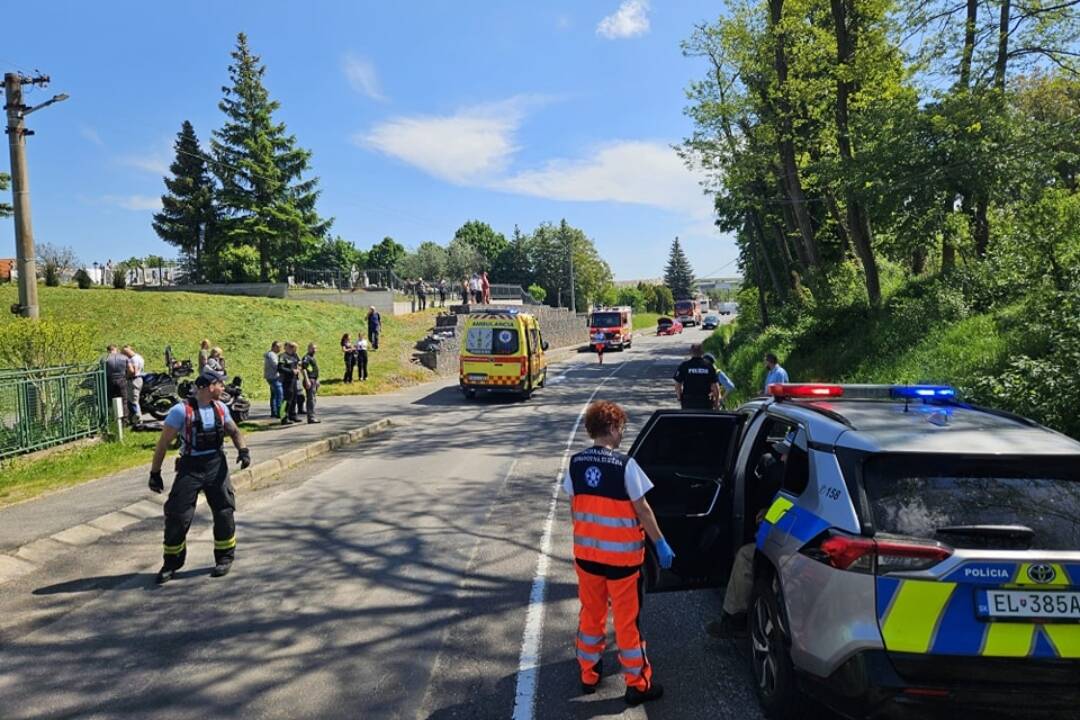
{"type": "Point", "coordinates": [625, 595]}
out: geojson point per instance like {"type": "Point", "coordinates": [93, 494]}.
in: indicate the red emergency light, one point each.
{"type": "Point", "coordinates": [782, 391]}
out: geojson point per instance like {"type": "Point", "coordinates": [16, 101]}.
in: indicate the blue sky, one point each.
{"type": "Point", "coordinates": [420, 116]}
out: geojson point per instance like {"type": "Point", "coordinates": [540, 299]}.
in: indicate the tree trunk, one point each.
{"type": "Point", "coordinates": [838, 218]}
{"type": "Point", "coordinates": [790, 178]}
{"type": "Point", "coordinates": [948, 247]}
{"type": "Point", "coordinates": [759, 233]}
{"type": "Point", "coordinates": [969, 42]}
{"type": "Point", "coordinates": [981, 228]}
{"type": "Point", "coordinates": [857, 219]}
{"type": "Point", "coordinates": [1003, 45]}
{"type": "Point", "coordinates": [918, 261]}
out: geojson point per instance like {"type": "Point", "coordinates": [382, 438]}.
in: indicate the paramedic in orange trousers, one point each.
{"type": "Point", "coordinates": [611, 518]}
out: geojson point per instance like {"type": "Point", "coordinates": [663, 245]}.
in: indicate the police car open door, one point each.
{"type": "Point", "coordinates": [689, 455]}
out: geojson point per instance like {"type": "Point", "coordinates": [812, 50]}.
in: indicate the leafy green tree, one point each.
{"type": "Point", "coordinates": [429, 262]}
{"type": "Point", "coordinates": [481, 236]}
{"type": "Point", "coordinates": [538, 292]}
{"type": "Point", "coordinates": [334, 254]}
{"type": "Point", "coordinates": [551, 250]}
{"type": "Point", "coordinates": [665, 301]}
{"type": "Point", "coordinates": [462, 259]}
{"type": "Point", "coordinates": [265, 203]}
{"type": "Point", "coordinates": [678, 275]}
{"type": "Point", "coordinates": [385, 255]}
{"type": "Point", "coordinates": [5, 183]}
{"type": "Point", "coordinates": [513, 264]}
{"type": "Point", "coordinates": [187, 218]}
{"type": "Point", "coordinates": [631, 297]}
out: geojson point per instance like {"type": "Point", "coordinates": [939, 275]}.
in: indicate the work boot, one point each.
{"type": "Point", "coordinates": [636, 697]}
{"type": "Point", "coordinates": [164, 575]}
{"type": "Point", "coordinates": [313, 421]}
{"type": "Point", "coordinates": [598, 668]}
{"type": "Point", "coordinates": [221, 569]}
{"type": "Point", "coordinates": [727, 627]}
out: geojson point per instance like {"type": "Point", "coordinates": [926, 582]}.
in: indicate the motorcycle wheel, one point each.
{"type": "Point", "coordinates": [159, 406]}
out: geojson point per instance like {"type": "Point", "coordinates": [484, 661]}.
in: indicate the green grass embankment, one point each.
{"type": "Point", "coordinates": [242, 326]}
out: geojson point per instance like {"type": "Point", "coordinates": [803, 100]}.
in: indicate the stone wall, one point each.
{"type": "Point", "coordinates": [439, 351]}
{"type": "Point", "coordinates": [271, 290]}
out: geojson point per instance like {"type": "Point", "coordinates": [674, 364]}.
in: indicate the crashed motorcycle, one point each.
{"type": "Point", "coordinates": [160, 391]}
{"type": "Point", "coordinates": [232, 397]}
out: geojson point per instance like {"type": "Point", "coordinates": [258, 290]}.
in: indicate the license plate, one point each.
{"type": "Point", "coordinates": [1029, 604]}
{"type": "Point", "coordinates": [477, 377]}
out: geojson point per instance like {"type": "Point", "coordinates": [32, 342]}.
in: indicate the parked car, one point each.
{"type": "Point", "coordinates": [667, 326]}
{"type": "Point", "coordinates": [921, 555]}
{"type": "Point", "coordinates": [710, 322]}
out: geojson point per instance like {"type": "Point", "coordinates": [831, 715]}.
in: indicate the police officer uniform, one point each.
{"type": "Point", "coordinates": [697, 378]}
{"type": "Point", "coordinates": [310, 366]}
{"type": "Point", "coordinates": [201, 467]}
{"type": "Point", "coordinates": [609, 550]}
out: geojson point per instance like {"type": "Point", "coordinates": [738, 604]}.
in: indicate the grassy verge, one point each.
{"type": "Point", "coordinates": [25, 478]}
{"type": "Point", "coordinates": [645, 321]}
{"type": "Point", "coordinates": [243, 327]}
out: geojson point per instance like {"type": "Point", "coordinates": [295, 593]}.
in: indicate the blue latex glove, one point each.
{"type": "Point", "coordinates": [664, 553]}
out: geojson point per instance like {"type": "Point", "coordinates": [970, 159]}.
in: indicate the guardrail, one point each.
{"type": "Point", "coordinates": [49, 406]}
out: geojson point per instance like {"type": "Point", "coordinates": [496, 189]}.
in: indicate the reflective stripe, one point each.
{"type": "Point", "coordinates": [591, 657]}
{"type": "Point", "coordinates": [630, 670]}
{"type": "Point", "coordinates": [913, 617]}
{"type": "Point", "coordinates": [776, 511]}
{"type": "Point", "coordinates": [607, 545]}
{"type": "Point", "coordinates": [1066, 639]}
{"type": "Point", "coordinates": [174, 549]}
{"type": "Point", "coordinates": [606, 520]}
{"type": "Point", "coordinates": [225, 544]}
{"type": "Point", "coordinates": [590, 639]}
{"type": "Point", "coordinates": [632, 654]}
{"type": "Point", "coordinates": [1006, 639]}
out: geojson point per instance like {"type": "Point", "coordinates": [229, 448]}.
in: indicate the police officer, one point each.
{"type": "Point", "coordinates": [201, 422]}
{"type": "Point", "coordinates": [309, 373]}
{"type": "Point", "coordinates": [696, 384]}
{"type": "Point", "coordinates": [611, 518]}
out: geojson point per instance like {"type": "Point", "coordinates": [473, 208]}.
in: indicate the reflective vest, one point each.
{"type": "Point", "coordinates": [197, 437]}
{"type": "Point", "coordinates": [606, 526]}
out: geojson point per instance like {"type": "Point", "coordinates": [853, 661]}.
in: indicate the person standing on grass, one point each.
{"type": "Point", "coordinates": [374, 327]}
{"type": "Point", "coordinates": [273, 378]}
{"type": "Point", "coordinates": [289, 372]}
{"type": "Point", "coordinates": [442, 292]}
{"type": "Point", "coordinates": [116, 364]}
{"type": "Point", "coordinates": [611, 519]}
{"type": "Point", "coordinates": [135, 367]}
{"type": "Point", "coordinates": [361, 357]}
{"type": "Point", "coordinates": [309, 374]}
{"type": "Point", "coordinates": [201, 422]}
{"type": "Point", "coordinates": [774, 372]}
{"type": "Point", "coordinates": [204, 353]}
{"type": "Point", "coordinates": [349, 351]}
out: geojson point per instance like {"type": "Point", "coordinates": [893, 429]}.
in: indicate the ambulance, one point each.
{"type": "Point", "coordinates": [503, 351]}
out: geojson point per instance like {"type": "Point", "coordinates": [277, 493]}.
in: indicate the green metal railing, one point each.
{"type": "Point", "coordinates": [49, 406]}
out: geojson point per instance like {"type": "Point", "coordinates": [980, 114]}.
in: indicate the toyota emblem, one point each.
{"type": "Point", "coordinates": [1041, 573]}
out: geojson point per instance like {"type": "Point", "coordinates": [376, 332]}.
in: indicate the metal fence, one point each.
{"type": "Point", "coordinates": [45, 407]}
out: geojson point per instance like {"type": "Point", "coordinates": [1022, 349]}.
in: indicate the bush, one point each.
{"type": "Point", "coordinates": [119, 277]}
{"type": "Point", "coordinates": [83, 279]}
{"type": "Point", "coordinates": [239, 263]}
{"type": "Point", "coordinates": [52, 275]}
{"type": "Point", "coordinates": [538, 293]}
{"type": "Point", "coordinates": [28, 344]}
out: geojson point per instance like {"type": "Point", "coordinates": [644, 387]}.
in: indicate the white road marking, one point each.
{"type": "Point", "coordinates": [532, 637]}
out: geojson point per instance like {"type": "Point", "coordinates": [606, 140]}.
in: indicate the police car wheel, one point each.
{"type": "Point", "coordinates": [770, 659]}
{"type": "Point", "coordinates": [469, 393]}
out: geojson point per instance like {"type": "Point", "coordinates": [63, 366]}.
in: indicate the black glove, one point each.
{"type": "Point", "coordinates": [244, 458]}
{"type": "Point", "coordinates": [156, 484]}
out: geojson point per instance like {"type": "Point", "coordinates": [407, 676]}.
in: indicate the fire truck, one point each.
{"type": "Point", "coordinates": [688, 312]}
{"type": "Point", "coordinates": [616, 323]}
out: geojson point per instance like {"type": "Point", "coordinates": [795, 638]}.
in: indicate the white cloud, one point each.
{"type": "Point", "coordinates": [360, 72]}
{"type": "Point", "coordinates": [156, 163]}
{"type": "Point", "coordinates": [630, 20]}
{"type": "Point", "coordinates": [91, 134]}
{"type": "Point", "coordinates": [471, 146]}
{"type": "Point", "coordinates": [134, 202]}
{"type": "Point", "coordinates": [630, 171]}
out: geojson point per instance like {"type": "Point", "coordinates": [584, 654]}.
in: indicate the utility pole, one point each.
{"type": "Point", "coordinates": [573, 298]}
{"type": "Point", "coordinates": [20, 185]}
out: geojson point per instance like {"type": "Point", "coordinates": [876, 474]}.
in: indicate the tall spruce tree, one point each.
{"type": "Point", "coordinates": [678, 275]}
{"type": "Point", "coordinates": [265, 203]}
{"type": "Point", "coordinates": [187, 217]}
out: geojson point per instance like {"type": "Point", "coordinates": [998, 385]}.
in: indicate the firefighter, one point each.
{"type": "Point", "coordinates": [202, 423]}
{"type": "Point", "coordinates": [611, 518]}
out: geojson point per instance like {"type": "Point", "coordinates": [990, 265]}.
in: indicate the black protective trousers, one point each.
{"type": "Point", "coordinates": [210, 475]}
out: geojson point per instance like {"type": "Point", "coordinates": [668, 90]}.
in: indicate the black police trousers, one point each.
{"type": "Point", "coordinates": [209, 474]}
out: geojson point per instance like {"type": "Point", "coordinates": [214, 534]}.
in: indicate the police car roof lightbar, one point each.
{"type": "Point", "coordinates": [921, 392]}
{"type": "Point", "coordinates": [782, 391]}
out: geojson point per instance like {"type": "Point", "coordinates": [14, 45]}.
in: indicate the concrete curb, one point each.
{"type": "Point", "coordinates": [30, 556]}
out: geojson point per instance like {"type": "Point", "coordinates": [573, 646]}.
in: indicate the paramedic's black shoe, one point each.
{"type": "Point", "coordinates": [164, 576]}
{"type": "Point", "coordinates": [221, 569]}
{"type": "Point", "coordinates": [590, 689]}
{"type": "Point", "coordinates": [636, 697]}
{"type": "Point", "coordinates": [727, 627]}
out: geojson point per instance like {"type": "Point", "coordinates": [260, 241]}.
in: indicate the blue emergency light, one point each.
{"type": "Point", "coordinates": [923, 392]}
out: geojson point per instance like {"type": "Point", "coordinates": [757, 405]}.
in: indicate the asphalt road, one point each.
{"type": "Point", "coordinates": [388, 580]}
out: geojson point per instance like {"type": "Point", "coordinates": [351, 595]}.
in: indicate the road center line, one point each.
{"type": "Point", "coordinates": [532, 637]}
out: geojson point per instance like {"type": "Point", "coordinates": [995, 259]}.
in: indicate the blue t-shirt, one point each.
{"type": "Point", "coordinates": [776, 375]}
{"type": "Point", "coordinates": [178, 415]}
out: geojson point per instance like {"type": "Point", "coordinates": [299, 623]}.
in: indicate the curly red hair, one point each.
{"type": "Point", "coordinates": [603, 417]}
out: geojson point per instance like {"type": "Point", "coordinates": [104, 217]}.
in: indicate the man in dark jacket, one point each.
{"type": "Point", "coordinates": [289, 372]}
{"type": "Point", "coordinates": [374, 327]}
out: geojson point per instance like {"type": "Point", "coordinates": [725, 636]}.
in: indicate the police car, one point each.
{"type": "Point", "coordinates": [922, 555]}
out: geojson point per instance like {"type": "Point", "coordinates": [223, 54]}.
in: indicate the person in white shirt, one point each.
{"type": "Point", "coordinates": [361, 357]}
{"type": "Point", "coordinates": [135, 368]}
